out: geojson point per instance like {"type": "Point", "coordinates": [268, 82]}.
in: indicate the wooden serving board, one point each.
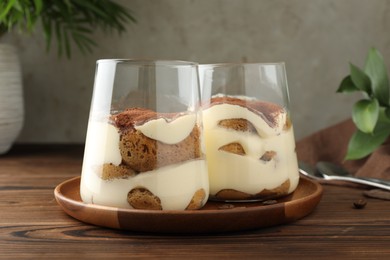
{"type": "Point", "coordinates": [213, 217]}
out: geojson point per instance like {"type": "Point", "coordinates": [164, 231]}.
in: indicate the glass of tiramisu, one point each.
{"type": "Point", "coordinates": [144, 140]}
{"type": "Point", "coordinates": [249, 136]}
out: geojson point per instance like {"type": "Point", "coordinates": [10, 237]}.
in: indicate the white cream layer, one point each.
{"type": "Point", "coordinates": [175, 185]}
{"type": "Point", "coordinates": [248, 173]}
{"type": "Point", "coordinates": [228, 111]}
{"type": "Point", "coordinates": [169, 132]}
{"type": "Point", "coordinates": [102, 144]}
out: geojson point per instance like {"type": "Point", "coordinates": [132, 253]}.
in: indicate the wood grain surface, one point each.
{"type": "Point", "coordinates": [33, 226]}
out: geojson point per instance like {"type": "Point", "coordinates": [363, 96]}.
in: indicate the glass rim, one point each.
{"type": "Point", "coordinates": [150, 62]}
{"type": "Point", "coordinates": [243, 64]}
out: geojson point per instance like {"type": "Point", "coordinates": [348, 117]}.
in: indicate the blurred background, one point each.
{"type": "Point", "coordinates": [315, 38]}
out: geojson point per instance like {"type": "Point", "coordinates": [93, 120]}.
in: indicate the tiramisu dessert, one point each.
{"type": "Point", "coordinates": [142, 159]}
{"type": "Point", "coordinates": [250, 149]}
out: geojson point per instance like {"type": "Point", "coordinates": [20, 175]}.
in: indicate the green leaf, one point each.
{"type": "Point", "coordinates": [47, 30]}
{"type": "Point", "coordinates": [29, 20]}
{"type": "Point", "coordinates": [383, 120]}
{"type": "Point", "coordinates": [59, 38]}
{"type": "Point", "coordinates": [7, 9]}
{"type": "Point", "coordinates": [347, 85]}
{"type": "Point", "coordinates": [88, 5]}
{"type": "Point", "coordinates": [376, 69]}
{"type": "Point", "coordinates": [38, 6]}
{"type": "Point", "coordinates": [365, 115]}
{"type": "Point", "coordinates": [362, 144]}
{"type": "Point", "coordinates": [84, 43]}
{"type": "Point", "coordinates": [387, 113]}
{"type": "Point", "coordinates": [360, 78]}
{"type": "Point", "coordinates": [82, 30]}
{"type": "Point", "coordinates": [66, 43]}
{"type": "Point", "coordinates": [18, 6]}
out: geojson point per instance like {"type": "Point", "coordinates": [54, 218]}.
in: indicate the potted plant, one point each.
{"type": "Point", "coordinates": [71, 22]}
{"type": "Point", "coordinates": [371, 114]}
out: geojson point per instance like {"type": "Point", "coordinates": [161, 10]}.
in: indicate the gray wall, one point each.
{"type": "Point", "coordinates": [316, 39]}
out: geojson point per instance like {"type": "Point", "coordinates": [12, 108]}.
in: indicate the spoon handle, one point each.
{"type": "Point", "coordinates": [376, 184]}
{"type": "Point", "coordinates": [380, 181]}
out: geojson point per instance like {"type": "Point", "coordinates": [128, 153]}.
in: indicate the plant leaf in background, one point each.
{"type": "Point", "coordinates": [365, 114]}
{"type": "Point", "coordinates": [70, 22]}
{"type": "Point", "coordinates": [387, 112]}
{"type": "Point", "coordinates": [360, 79]}
{"type": "Point", "coordinates": [376, 69]}
{"type": "Point", "coordinates": [371, 116]}
{"type": "Point", "coordinates": [347, 86]}
{"type": "Point", "coordinates": [362, 144]}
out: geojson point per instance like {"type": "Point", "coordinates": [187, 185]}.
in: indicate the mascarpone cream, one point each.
{"type": "Point", "coordinates": [168, 132]}
{"type": "Point", "coordinates": [247, 173]}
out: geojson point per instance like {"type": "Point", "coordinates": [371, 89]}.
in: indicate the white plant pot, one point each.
{"type": "Point", "coordinates": [11, 97]}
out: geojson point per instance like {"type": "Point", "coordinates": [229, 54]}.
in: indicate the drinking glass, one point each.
{"type": "Point", "coordinates": [249, 138]}
{"type": "Point", "coordinates": [143, 147]}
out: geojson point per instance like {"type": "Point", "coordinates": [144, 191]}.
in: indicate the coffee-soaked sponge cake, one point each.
{"type": "Point", "coordinates": [142, 153]}
{"type": "Point", "coordinates": [142, 198]}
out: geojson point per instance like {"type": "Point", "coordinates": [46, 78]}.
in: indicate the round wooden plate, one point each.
{"type": "Point", "coordinates": [213, 217]}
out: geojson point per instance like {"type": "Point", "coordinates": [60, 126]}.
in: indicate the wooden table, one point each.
{"type": "Point", "coordinates": [33, 226]}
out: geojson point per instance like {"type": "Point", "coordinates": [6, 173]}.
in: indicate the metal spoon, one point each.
{"type": "Point", "coordinates": [329, 171]}
{"type": "Point", "coordinates": [332, 171]}
{"type": "Point", "coordinates": [308, 171]}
